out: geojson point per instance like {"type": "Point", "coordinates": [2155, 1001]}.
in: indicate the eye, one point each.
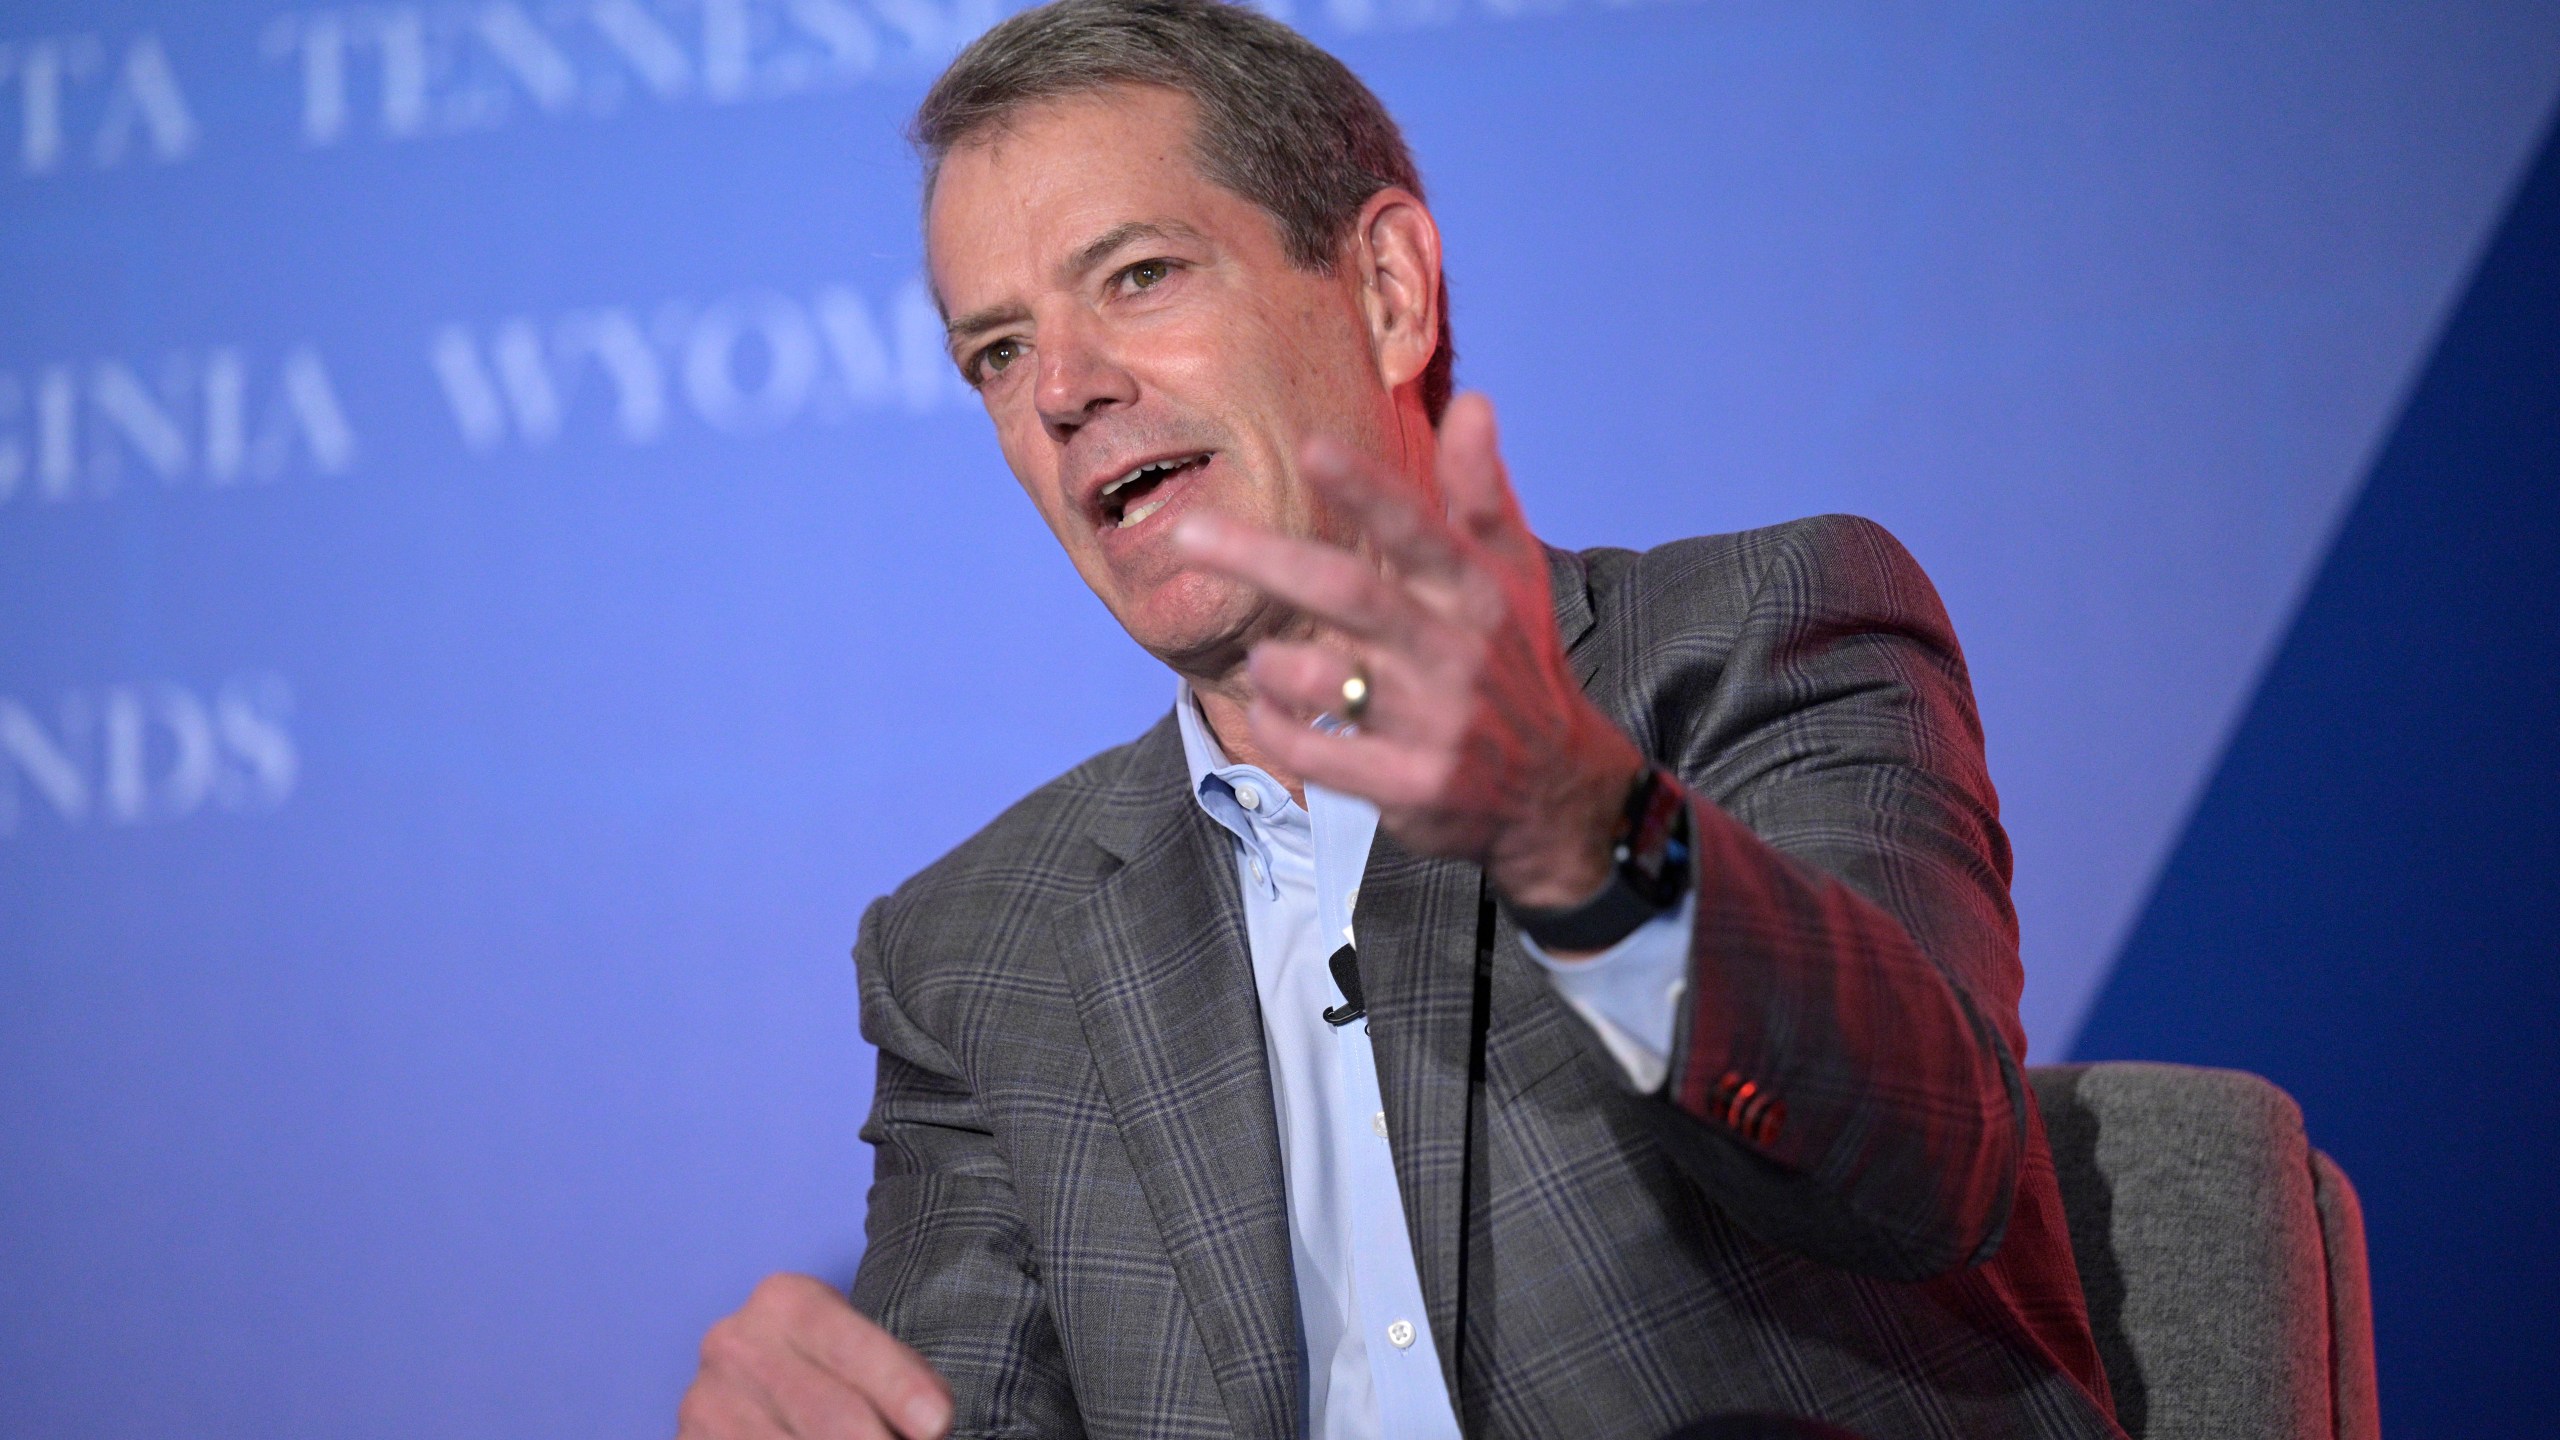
{"type": "Point", "coordinates": [1146, 274]}
{"type": "Point", "coordinates": [993, 359]}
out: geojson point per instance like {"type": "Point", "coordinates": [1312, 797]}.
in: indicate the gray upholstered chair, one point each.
{"type": "Point", "coordinates": [2223, 1257]}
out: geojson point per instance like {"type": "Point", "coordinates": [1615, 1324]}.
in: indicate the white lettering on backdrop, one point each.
{"type": "Point", "coordinates": [212, 417]}
{"type": "Point", "coordinates": [402, 71]}
{"type": "Point", "coordinates": [79, 101]}
{"type": "Point", "coordinates": [747, 363]}
{"type": "Point", "coordinates": [146, 753]}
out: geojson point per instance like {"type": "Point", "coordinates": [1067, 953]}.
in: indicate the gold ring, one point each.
{"type": "Point", "coordinates": [1355, 696]}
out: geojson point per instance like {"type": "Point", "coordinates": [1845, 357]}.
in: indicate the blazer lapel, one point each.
{"type": "Point", "coordinates": [1417, 925]}
{"type": "Point", "coordinates": [1164, 985]}
{"type": "Point", "coordinates": [1417, 933]}
{"type": "Point", "coordinates": [1569, 583]}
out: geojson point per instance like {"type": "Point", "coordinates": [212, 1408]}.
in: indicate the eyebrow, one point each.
{"type": "Point", "coordinates": [1010, 313]}
{"type": "Point", "coordinates": [1099, 248]}
{"type": "Point", "coordinates": [1093, 252]}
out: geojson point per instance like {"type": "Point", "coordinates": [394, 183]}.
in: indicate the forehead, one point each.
{"type": "Point", "coordinates": [1017, 200]}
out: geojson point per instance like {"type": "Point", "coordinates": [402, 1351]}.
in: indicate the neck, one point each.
{"type": "Point", "coordinates": [1225, 703]}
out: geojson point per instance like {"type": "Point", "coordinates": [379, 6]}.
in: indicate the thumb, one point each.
{"type": "Point", "coordinates": [1470, 472]}
{"type": "Point", "coordinates": [1474, 483]}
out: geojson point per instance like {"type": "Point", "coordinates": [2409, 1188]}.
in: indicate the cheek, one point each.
{"type": "Point", "coordinates": [1033, 461]}
{"type": "Point", "coordinates": [1311, 370]}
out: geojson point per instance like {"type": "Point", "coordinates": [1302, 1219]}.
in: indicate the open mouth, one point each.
{"type": "Point", "coordinates": [1143, 491]}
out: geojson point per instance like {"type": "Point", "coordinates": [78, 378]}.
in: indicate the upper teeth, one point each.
{"type": "Point", "coordinates": [1143, 471]}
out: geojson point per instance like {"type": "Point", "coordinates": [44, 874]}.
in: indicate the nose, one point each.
{"type": "Point", "coordinates": [1080, 377]}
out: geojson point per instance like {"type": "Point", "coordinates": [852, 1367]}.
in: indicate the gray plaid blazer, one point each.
{"type": "Point", "coordinates": [1840, 1206]}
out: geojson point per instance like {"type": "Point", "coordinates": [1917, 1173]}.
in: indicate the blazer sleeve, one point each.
{"type": "Point", "coordinates": [1844, 1079]}
{"type": "Point", "coordinates": [948, 1263]}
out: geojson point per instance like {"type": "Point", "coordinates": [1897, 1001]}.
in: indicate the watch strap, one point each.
{"type": "Point", "coordinates": [1650, 873]}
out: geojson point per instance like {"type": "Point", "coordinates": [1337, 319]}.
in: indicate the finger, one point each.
{"type": "Point", "coordinates": [857, 1353]}
{"type": "Point", "coordinates": [815, 1403]}
{"type": "Point", "coordinates": [1382, 771]}
{"type": "Point", "coordinates": [1328, 583]}
{"type": "Point", "coordinates": [759, 1384]}
{"type": "Point", "coordinates": [739, 1394]}
{"type": "Point", "coordinates": [1416, 541]}
{"type": "Point", "coordinates": [1473, 479]}
{"type": "Point", "coordinates": [714, 1410]}
{"type": "Point", "coordinates": [1304, 677]}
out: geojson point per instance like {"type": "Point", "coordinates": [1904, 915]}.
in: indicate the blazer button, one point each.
{"type": "Point", "coordinates": [1747, 1109]}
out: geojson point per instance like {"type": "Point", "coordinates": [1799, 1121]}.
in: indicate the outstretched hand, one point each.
{"type": "Point", "coordinates": [1476, 741]}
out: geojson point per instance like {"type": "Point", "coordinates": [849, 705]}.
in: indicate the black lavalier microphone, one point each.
{"type": "Point", "coordinates": [1345, 966]}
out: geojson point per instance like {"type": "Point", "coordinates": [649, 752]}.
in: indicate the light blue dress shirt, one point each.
{"type": "Point", "coordinates": [1373, 1365]}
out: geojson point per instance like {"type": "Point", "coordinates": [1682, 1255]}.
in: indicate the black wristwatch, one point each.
{"type": "Point", "coordinates": [1651, 848]}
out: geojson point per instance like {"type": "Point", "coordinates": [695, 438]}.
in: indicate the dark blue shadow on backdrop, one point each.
{"type": "Point", "coordinates": [2366, 906]}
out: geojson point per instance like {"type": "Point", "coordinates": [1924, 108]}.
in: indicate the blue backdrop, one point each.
{"type": "Point", "coordinates": [493, 575]}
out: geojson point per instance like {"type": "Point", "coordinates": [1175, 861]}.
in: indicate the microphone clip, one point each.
{"type": "Point", "coordinates": [1345, 966]}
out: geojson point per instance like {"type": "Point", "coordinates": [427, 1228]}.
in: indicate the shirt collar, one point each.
{"type": "Point", "coordinates": [1345, 824]}
{"type": "Point", "coordinates": [1223, 788]}
{"type": "Point", "coordinates": [1199, 747]}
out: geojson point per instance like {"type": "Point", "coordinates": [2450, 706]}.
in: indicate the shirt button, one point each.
{"type": "Point", "coordinates": [1378, 1124]}
{"type": "Point", "coordinates": [1258, 876]}
{"type": "Point", "coordinates": [1248, 797]}
{"type": "Point", "coordinates": [1400, 1334]}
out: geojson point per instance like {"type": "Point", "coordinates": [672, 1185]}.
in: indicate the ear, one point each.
{"type": "Point", "coordinates": [1396, 249]}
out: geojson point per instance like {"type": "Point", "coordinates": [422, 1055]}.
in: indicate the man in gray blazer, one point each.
{"type": "Point", "coordinates": [1513, 993]}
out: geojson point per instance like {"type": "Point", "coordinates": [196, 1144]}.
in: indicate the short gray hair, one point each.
{"type": "Point", "coordinates": [1282, 123]}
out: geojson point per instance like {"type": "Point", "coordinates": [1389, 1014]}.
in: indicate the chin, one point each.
{"type": "Point", "coordinates": [1200, 625]}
